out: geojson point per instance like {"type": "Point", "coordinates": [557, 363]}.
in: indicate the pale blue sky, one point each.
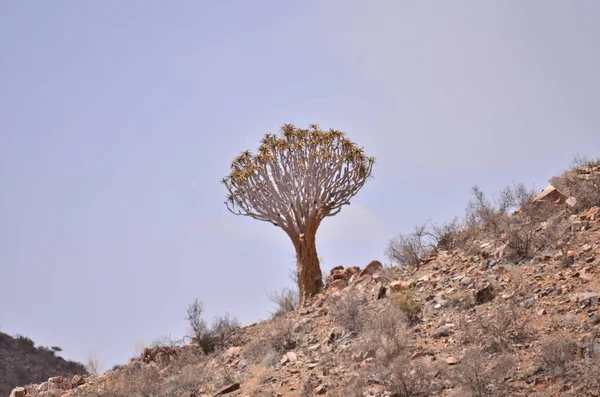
{"type": "Point", "coordinates": [119, 118]}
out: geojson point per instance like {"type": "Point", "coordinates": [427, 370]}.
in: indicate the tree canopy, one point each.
{"type": "Point", "coordinates": [296, 176]}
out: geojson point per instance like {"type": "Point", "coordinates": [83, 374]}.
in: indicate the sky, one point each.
{"type": "Point", "coordinates": [119, 118]}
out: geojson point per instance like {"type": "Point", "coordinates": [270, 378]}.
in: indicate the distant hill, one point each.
{"type": "Point", "coordinates": [21, 363]}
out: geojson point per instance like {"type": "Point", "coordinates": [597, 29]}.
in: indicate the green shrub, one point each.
{"type": "Point", "coordinates": [406, 302]}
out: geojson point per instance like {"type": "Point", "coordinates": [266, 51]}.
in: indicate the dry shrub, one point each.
{"type": "Point", "coordinates": [408, 305]}
{"type": "Point", "coordinates": [483, 376]}
{"type": "Point", "coordinates": [279, 337]}
{"type": "Point", "coordinates": [410, 378]}
{"type": "Point", "coordinates": [260, 351]}
{"type": "Point", "coordinates": [282, 336]}
{"type": "Point", "coordinates": [468, 331]}
{"type": "Point", "coordinates": [582, 182]}
{"type": "Point", "coordinates": [586, 374]}
{"type": "Point", "coordinates": [530, 228]}
{"type": "Point", "coordinates": [506, 326]}
{"type": "Point", "coordinates": [409, 249]}
{"type": "Point", "coordinates": [348, 312]}
{"type": "Point", "coordinates": [387, 336]}
{"type": "Point", "coordinates": [210, 338]}
{"type": "Point", "coordinates": [557, 355]}
{"type": "Point", "coordinates": [285, 300]}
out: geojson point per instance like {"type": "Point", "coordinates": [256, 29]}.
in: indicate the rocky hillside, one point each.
{"type": "Point", "coordinates": [22, 363]}
{"type": "Point", "coordinates": [506, 304]}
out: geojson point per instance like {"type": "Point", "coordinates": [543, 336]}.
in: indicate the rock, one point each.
{"type": "Point", "coordinates": [550, 194]}
{"type": "Point", "coordinates": [397, 286]}
{"type": "Point", "coordinates": [591, 214]}
{"type": "Point", "coordinates": [292, 356]}
{"type": "Point", "coordinates": [231, 388]}
{"type": "Point", "coordinates": [371, 268]}
{"type": "Point", "coordinates": [484, 295]}
{"type": "Point", "coordinates": [586, 248]}
{"type": "Point", "coordinates": [336, 273]}
{"type": "Point", "coordinates": [586, 276]}
{"type": "Point", "coordinates": [594, 319]}
{"type": "Point", "coordinates": [43, 386]}
{"type": "Point", "coordinates": [233, 351]}
{"type": "Point", "coordinates": [242, 364]}
{"type": "Point", "coordinates": [466, 281]}
{"type": "Point", "coordinates": [571, 201]}
{"type": "Point", "coordinates": [441, 332]}
{"type": "Point", "coordinates": [363, 280]}
{"type": "Point", "coordinates": [18, 392]}
{"type": "Point", "coordinates": [451, 361]}
{"type": "Point", "coordinates": [586, 297]}
{"type": "Point", "coordinates": [56, 379]}
{"type": "Point", "coordinates": [340, 284]}
{"type": "Point", "coordinates": [320, 390]}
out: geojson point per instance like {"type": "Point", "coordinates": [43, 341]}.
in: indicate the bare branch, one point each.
{"type": "Point", "coordinates": [298, 176]}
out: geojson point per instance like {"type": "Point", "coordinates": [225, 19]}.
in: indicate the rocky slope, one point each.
{"type": "Point", "coordinates": [477, 317]}
{"type": "Point", "coordinates": [21, 363]}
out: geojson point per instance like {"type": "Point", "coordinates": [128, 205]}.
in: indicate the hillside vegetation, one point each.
{"type": "Point", "coordinates": [21, 362]}
{"type": "Point", "coordinates": [500, 302]}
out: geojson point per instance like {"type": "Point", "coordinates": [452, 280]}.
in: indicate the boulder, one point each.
{"type": "Point", "coordinates": [371, 268]}
{"type": "Point", "coordinates": [18, 392]}
{"type": "Point", "coordinates": [339, 284]}
{"type": "Point", "coordinates": [78, 380]}
{"type": "Point", "coordinates": [550, 194]}
{"type": "Point", "coordinates": [398, 285]}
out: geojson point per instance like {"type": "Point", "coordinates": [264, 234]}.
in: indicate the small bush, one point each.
{"type": "Point", "coordinates": [582, 182]}
{"type": "Point", "coordinates": [409, 378]}
{"type": "Point", "coordinates": [286, 301]}
{"type": "Point", "coordinates": [484, 376]}
{"type": "Point", "coordinates": [406, 302]}
{"type": "Point", "coordinates": [507, 326]}
{"type": "Point", "coordinates": [387, 335]}
{"type": "Point", "coordinates": [522, 230]}
{"type": "Point", "coordinates": [409, 249]}
{"type": "Point", "coordinates": [281, 336]}
{"type": "Point", "coordinates": [556, 355]}
{"type": "Point", "coordinates": [25, 341]}
{"type": "Point", "coordinates": [348, 311]}
{"type": "Point", "coordinates": [278, 338]}
{"type": "Point", "coordinates": [209, 338]}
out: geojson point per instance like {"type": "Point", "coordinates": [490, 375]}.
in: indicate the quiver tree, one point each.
{"type": "Point", "coordinates": [294, 181]}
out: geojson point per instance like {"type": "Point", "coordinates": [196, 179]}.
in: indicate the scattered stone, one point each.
{"type": "Point", "coordinates": [231, 388]}
{"type": "Point", "coordinates": [466, 281]}
{"type": "Point", "coordinates": [484, 295]}
{"type": "Point", "coordinates": [397, 286]}
{"type": "Point", "coordinates": [441, 332]}
{"type": "Point", "coordinates": [451, 361]}
{"type": "Point", "coordinates": [233, 351]}
{"type": "Point", "coordinates": [571, 202]}
{"type": "Point", "coordinates": [292, 356]}
{"type": "Point", "coordinates": [320, 390]}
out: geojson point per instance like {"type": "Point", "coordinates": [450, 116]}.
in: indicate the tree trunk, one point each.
{"type": "Point", "coordinates": [309, 270]}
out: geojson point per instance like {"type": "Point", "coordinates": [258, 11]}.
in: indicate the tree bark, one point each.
{"type": "Point", "coordinates": [310, 280]}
